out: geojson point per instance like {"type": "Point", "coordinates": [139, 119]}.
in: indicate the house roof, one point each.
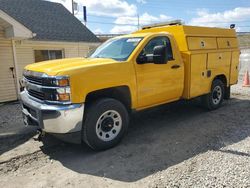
{"type": "Point", "coordinates": [49, 21]}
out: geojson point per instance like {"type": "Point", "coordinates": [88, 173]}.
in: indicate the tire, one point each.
{"type": "Point", "coordinates": [105, 124]}
{"type": "Point", "coordinates": [227, 94]}
{"type": "Point", "coordinates": [213, 100]}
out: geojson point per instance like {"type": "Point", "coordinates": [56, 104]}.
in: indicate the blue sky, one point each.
{"type": "Point", "coordinates": [121, 16]}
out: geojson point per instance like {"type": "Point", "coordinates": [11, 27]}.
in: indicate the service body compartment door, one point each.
{"type": "Point", "coordinates": [234, 69]}
{"type": "Point", "coordinates": [218, 60]}
{"type": "Point", "coordinates": [201, 43]}
{"type": "Point", "coordinates": [227, 43]}
{"type": "Point", "coordinates": [199, 80]}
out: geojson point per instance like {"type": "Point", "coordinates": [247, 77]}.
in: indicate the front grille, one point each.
{"type": "Point", "coordinates": [36, 94]}
{"type": "Point", "coordinates": [34, 80]}
{"type": "Point", "coordinates": [42, 86]}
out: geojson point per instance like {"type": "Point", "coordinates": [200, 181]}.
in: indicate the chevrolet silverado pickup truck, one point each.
{"type": "Point", "coordinates": [90, 99]}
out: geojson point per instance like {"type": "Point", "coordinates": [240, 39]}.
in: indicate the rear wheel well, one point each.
{"type": "Point", "coordinates": [121, 93]}
{"type": "Point", "coordinates": [222, 78]}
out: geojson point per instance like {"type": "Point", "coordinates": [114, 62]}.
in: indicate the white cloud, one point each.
{"type": "Point", "coordinates": [221, 19]}
{"type": "Point", "coordinates": [125, 14]}
{"type": "Point", "coordinates": [109, 8]}
{"type": "Point", "coordinates": [123, 29]}
{"type": "Point", "coordinates": [143, 19]}
{"type": "Point", "coordinates": [98, 31]}
{"type": "Point", "coordinates": [66, 3]}
{"type": "Point", "coordinates": [132, 22]}
{"type": "Point", "coordinates": [112, 8]}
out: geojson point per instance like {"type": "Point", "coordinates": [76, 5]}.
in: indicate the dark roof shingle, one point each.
{"type": "Point", "coordinates": [50, 21]}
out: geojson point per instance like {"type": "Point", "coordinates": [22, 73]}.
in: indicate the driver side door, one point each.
{"type": "Point", "coordinates": [159, 83]}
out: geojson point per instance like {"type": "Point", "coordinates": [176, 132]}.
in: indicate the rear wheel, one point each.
{"type": "Point", "coordinates": [105, 124]}
{"type": "Point", "coordinates": [227, 94]}
{"type": "Point", "coordinates": [214, 99]}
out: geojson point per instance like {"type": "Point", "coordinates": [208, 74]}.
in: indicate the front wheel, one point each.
{"type": "Point", "coordinates": [214, 99]}
{"type": "Point", "coordinates": [105, 124]}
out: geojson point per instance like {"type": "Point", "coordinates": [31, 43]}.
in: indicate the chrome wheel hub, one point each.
{"type": "Point", "coordinates": [217, 95]}
{"type": "Point", "coordinates": [108, 125]}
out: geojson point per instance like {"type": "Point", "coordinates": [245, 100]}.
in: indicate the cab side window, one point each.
{"type": "Point", "coordinates": [158, 41]}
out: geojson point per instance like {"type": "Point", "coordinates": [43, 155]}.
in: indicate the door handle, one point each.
{"type": "Point", "coordinates": [175, 66]}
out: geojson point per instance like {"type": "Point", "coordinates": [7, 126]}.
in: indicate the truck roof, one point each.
{"type": "Point", "coordinates": [190, 30]}
{"type": "Point", "coordinates": [186, 35]}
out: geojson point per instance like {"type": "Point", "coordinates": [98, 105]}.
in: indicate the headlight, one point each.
{"type": "Point", "coordinates": [63, 94]}
{"type": "Point", "coordinates": [56, 81]}
{"type": "Point", "coordinates": [60, 94]}
{"type": "Point", "coordinates": [48, 88]}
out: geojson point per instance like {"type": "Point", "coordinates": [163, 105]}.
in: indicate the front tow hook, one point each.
{"type": "Point", "coordinates": [40, 136]}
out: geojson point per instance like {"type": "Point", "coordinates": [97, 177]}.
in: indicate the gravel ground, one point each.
{"type": "Point", "coordinates": [176, 145]}
{"type": "Point", "coordinates": [12, 130]}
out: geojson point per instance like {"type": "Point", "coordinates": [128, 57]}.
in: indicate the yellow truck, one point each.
{"type": "Point", "coordinates": [90, 99]}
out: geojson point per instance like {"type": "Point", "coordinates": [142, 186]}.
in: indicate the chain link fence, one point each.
{"type": "Point", "coordinates": [244, 40]}
{"type": "Point", "coordinates": [244, 62]}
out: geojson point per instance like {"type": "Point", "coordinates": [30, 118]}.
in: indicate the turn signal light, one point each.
{"type": "Point", "coordinates": [63, 82]}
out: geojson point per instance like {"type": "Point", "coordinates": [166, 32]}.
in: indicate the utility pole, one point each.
{"type": "Point", "coordinates": [85, 15]}
{"type": "Point", "coordinates": [73, 11]}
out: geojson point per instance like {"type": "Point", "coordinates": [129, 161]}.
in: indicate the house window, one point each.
{"type": "Point", "coordinates": [43, 55]}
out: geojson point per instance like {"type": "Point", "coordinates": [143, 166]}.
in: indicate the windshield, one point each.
{"type": "Point", "coordinates": [117, 49]}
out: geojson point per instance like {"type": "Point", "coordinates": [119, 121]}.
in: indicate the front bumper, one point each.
{"type": "Point", "coordinates": [59, 119]}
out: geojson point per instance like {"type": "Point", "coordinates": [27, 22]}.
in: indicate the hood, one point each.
{"type": "Point", "coordinates": [54, 67]}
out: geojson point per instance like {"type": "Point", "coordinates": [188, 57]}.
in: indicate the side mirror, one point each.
{"type": "Point", "coordinates": [141, 59]}
{"type": "Point", "coordinates": [160, 55]}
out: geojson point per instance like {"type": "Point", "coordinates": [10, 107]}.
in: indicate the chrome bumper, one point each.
{"type": "Point", "coordinates": [52, 118]}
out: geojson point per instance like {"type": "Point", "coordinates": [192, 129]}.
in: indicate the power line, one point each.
{"type": "Point", "coordinates": [190, 2]}
{"type": "Point", "coordinates": [141, 19]}
{"type": "Point", "coordinates": [113, 23]}
{"type": "Point", "coordinates": [136, 25]}
{"type": "Point", "coordinates": [138, 20]}
{"type": "Point", "coordinates": [179, 7]}
{"type": "Point", "coordinates": [110, 23]}
{"type": "Point", "coordinates": [103, 17]}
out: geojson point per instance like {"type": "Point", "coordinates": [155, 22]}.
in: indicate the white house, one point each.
{"type": "Point", "coordinates": [33, 31]}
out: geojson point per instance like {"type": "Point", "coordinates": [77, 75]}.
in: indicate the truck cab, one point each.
{"type": "Point", "coordinates": [90, 99]}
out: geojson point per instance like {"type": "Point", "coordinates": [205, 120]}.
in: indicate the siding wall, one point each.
{"type": "Point", "coordinates": [7, 82]}
{"type": "Point", "coordinates": [25, 55]}
{"type": "Point", "coordinates": [25, 50]}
